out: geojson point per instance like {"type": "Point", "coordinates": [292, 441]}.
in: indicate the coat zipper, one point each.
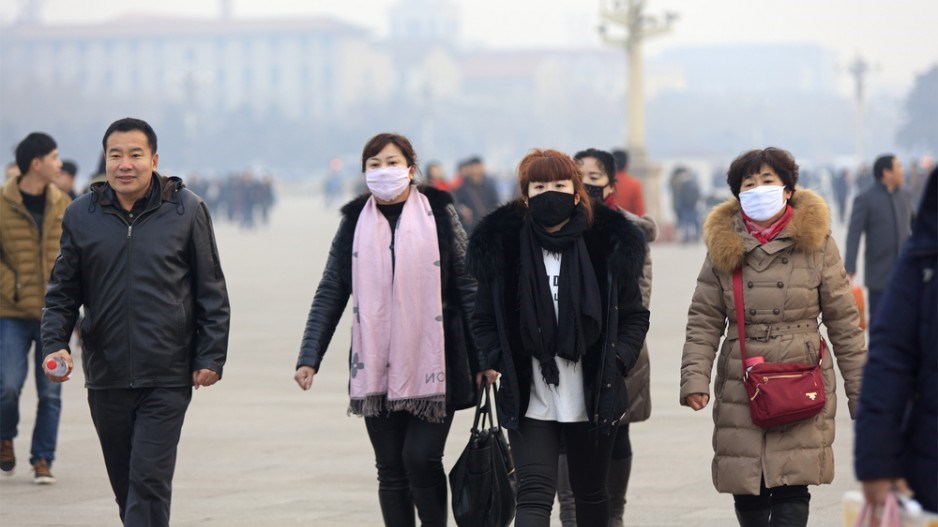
{"type": "Point", "coordinates": [130, 344]}
{"type": "Point", "coordinates": [130, 322]}
{"type": "Point", "coordinates": [606, 345]}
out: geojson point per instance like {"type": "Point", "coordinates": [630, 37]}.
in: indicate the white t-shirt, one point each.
{"type": "Point", "coordinates": [564, 403]}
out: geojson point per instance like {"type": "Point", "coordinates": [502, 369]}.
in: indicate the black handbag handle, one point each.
{"type": "Point", "coordinates": [484, 411]}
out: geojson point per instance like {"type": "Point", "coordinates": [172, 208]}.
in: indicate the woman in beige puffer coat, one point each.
{"type": "Point", "coordinates": [792, 274]}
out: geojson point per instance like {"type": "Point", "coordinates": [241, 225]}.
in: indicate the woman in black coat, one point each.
{"type": "Point", "coordinates": [559, 315]}
{"type": "Point", "coordinates": [399, 253]}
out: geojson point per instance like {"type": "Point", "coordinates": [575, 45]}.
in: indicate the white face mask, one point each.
{"type": "Point", "coordinates": [387, 183]}
{"type": "Point", "coordinates": [763, 202]}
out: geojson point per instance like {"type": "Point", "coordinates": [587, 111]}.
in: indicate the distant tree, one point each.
{"type": "Point", "coordinates": [920, 130]}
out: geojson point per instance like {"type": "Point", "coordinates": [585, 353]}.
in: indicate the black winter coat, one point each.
{"type": "Point", "coordinates": [335, 287]}
{"type": "Point", "coordinates": [616, 248]}
{"type": "Point", "coordinates": [156, 304]}
{"type": "Point", "coordinates": [897, 419]}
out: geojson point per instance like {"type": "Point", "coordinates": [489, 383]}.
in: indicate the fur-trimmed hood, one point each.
{"type": "Point", "coordinates": [728, 241]}
{"type": "Point", "coordinates": [494, 243]}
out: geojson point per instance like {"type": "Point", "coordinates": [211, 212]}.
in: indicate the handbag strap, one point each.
{"type": "Point", "coordinates": [484, 411]}
{"type": "Point", "coordinates": [740, 313]}
{"type": "Point", "coordinates": [741, 319]}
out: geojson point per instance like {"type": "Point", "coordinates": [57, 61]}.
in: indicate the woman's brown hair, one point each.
{"type": "Point", "coordinates": [377, 143]}
{"type": "Point", "coordinates": [544, 166]}
{"type": "Point", "coordinates": [751, 162]}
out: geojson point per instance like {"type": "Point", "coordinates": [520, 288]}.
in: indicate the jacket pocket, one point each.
{"type": "Point", "coordinates": [85, 330]}
{"type": "Point", "coordinates": [621, 368]}
{"type": "Point", "coordinates": [181, 323]}
{"type": "Point", "coordinates": [810, 352]}
{"type": "Point", "coordinates": [722, 372]}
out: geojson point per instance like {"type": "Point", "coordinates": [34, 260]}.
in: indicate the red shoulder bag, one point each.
{"type": "Point", "coordinates": [780, 393]}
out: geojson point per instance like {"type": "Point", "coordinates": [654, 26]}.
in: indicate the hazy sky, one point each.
{"type": "Point", "coordinates": [896, 36]}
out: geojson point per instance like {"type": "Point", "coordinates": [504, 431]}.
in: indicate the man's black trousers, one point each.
{"type": "Point", "coordinates": [139, 430]}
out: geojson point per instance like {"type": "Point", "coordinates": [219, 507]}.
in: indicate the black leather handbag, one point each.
{"type": "Point", "coordinates": [483, 478]}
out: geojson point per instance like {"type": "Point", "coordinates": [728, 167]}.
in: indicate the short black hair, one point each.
{"type": "Point", "coordinates": [883, 163]}
{"type": "Point", "coordinates": [36, 144]}
{"type": "Point", "coordinates": [70, 167]}
{"type": "Point", "coordinates": [749, 163]}
{"type": "Point", "coordinates": [474, 160]}
{"type": "Point", "coordinates": [129, 124]}
{"type": "Point", "coordinates": [621, 157]}
{"type": "Point", "coordinates": [605, 159]}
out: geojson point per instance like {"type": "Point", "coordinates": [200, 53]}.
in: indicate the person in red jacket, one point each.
{"type": "Point", "coordinates": [628, 189]}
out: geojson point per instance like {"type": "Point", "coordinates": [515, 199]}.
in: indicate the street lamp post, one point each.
{"type": "Point", "coordinates": [630, 16]}
{"type": "Point", "coordinates": [859, 69]}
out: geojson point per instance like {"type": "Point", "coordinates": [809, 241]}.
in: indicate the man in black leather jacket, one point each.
{"type": "Point", "coordinates": [138, 252]}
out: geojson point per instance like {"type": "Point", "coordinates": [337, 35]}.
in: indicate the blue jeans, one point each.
{"type": "Point", "coordinates": [16, 335]}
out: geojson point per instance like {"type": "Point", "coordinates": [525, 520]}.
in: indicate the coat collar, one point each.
{"type": "Point", "coordinates": [168, 187]}
{"type": "Point", "coordinates": [728, 241]}
{"type": "Point", "coordinates": [11, 191]}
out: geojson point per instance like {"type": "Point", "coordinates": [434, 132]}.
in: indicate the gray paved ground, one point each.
{"type": "Point", "coordinates": [256, 451]}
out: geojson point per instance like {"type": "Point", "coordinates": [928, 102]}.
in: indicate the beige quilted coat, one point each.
{"type": "Point", "coordinates": [26, 253]}
{"type": "Point", "coordinates": [788, 283]}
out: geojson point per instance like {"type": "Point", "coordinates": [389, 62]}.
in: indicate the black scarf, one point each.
{"type": "Point", "coordinates": [578, 321]}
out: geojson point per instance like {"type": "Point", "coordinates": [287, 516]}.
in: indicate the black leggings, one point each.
{"type": "Point", "coordinates": [769, 497]}
{"type": "Point", "coordinates": [622, 448]}
{"type": "Point", "coordinates": [535, 448]}
{"type": "Point", "coordinates": [408, 450]}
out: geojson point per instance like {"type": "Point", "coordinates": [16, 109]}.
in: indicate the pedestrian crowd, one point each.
{"type": "Point", "coordinates": [455, 288]}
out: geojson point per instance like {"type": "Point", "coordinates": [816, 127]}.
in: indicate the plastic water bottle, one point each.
{"type": "Point", "coordinates": [56, 367]}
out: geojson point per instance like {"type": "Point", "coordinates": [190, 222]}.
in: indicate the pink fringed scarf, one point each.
{"type": "Point", "coordinates": [398, 357]}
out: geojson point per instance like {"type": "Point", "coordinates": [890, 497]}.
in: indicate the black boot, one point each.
{"type": "Point", "coordinates": [431, 505]}
{"type": "Point", "coordinates": [397, 507]}
{"type": "Point", "coordinates": [565, 493]}
{"type": "Point", "coordinates": [617, 483]}
{"type": "Point", "coordinates": [789, 514]}
{"type": "Point", "coordinates": [756, 518]}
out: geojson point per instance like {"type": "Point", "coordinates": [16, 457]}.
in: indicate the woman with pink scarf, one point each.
{"type": "Point", "coordinates": [399, 254]}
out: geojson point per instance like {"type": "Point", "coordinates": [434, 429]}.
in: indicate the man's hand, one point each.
{"type": "Point", "coordinates": [698, 401]}
{"type": "Point", "coordinates": [491, 375]}
{"type": "Point", "coordinates": [204, 377]}
{"type": "Point", "coordinates": [875, 491]}
{"type": "Point", "coordinates": [304, 377]}
{"type": "Point", "coordinates": [61, 354]}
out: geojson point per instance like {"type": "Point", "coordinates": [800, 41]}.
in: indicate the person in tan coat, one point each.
{"type": "Point", "coordinates": [792, 274]}
{"type": "Point", "coordinates": [31, 210]}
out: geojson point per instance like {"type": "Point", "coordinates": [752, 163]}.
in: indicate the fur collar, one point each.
{"type": "Point", "coordinates": [438, 201]}
{"type": "Point", "coordinates": [494, 248]}
{"type": "Point", "coordinates": [728, 241]}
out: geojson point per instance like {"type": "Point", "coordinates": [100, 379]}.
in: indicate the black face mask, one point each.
{"type": "Point", "coordinates": [595, 192]}
{"type": "Point", "coordinates": [551, 208]}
